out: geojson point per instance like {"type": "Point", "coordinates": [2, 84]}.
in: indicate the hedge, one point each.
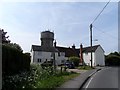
{"type": "Point", "coordinates": [112, 60]}
{"type": "Point", "coordinates": [14, 61]}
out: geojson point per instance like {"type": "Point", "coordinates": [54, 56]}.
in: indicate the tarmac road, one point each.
{"type": "Point", "coordinates": [106, 78]}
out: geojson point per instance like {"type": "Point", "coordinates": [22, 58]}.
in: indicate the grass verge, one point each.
{"type": "Point", "coordinates": [85, 68]}
{"type": "Point", "coordinates": [54, 81]}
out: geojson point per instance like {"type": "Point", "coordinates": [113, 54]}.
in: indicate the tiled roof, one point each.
{"type": "Point", "coordinates": [47, 49]}
{"type": "Point", "coordinates": [88, 49]}
{"type": "Point", "coordinates": [68, 51]}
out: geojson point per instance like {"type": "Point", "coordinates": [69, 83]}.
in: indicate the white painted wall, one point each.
{"type": "Point", "coordinates": [35, 55]}
{"type": "Point", "coordinates": [62, 58]}
{"type": "Point", "coordinates": [87, 58]}
{"type": "Point", "coordinates": [32, 56]}
{"type": "Point", "coordinates": [99, 55]}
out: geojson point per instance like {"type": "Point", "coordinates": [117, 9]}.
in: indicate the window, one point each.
{"type": "Point", "coordinates": [62, 61]}
{"type": "Point", "coordinates": [62, 54]}
{"type": "Point", "coordinates": [38, 60]}
{"type": "Point", "coordinates": [58, 53]}
{"type": "Point", "coordinates": [51, 54]}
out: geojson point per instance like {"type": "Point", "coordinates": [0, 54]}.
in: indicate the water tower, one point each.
{"type": "Point", "coordinates": [47, 38]}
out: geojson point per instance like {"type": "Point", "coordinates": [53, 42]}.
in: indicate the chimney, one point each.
{"type": "Point", "coordinates": [73, 47]}
{"type": "Point", "coordinates": [81, 54]}
{"type": "Point", "coordinates": [55, 44]}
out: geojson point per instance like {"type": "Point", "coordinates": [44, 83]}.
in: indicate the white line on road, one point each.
{"type": "Point", "coordinates": [94, 76]}
{"type": "Point", "coordinates": [88, 82]}
{"type": "Point", "coordinates": [107, 68]}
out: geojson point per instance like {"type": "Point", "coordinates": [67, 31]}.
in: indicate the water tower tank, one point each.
{"type": "Point", "coordinates": [47, 38]}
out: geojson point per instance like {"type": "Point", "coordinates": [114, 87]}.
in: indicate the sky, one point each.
{"type": "Point", "coordinates": [24, 21]}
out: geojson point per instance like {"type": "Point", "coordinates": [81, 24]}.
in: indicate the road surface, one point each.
{"type": "Point", "coordinates": [108, 77]}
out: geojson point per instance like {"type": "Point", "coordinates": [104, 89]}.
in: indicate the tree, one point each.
{"type": "Point", "coordinates": [75, 60]}
{"type": "Point", "coordinates": [6, 41]}
{"type": "Point", "coordinates": [16, 46]}
{"type": "Point", "coordinates": [113, 59]}
{"type": "Point", "coordinates": [27, 53]}
{"type": "Point", "coordinates": [4, 37]}
{"type": "Point", "coordinates": [13, 59]}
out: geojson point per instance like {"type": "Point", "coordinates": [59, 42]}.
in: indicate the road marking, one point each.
{"type": "Point", "coordinates": [94, 76]}
{"type": "Point", "coordinates": [106, 68]}
{"type": "Point", "coordinates": [88, 82]}
{"type": "Point", "coordinates": [92, 73]}
{"type": "Point", "coordinates": [99, 71]}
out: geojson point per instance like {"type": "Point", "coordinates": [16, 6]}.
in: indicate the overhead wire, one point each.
{"type": "Point", "coordinates": [97, 18]}
{"type": "Point", "coordinates": [102, 31]}
{"type": "Point", "coordinates": [101, 12]}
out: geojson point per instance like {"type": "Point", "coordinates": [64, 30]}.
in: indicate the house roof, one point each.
{"type": "Point", "coordinates": [88, 49]}
{"type": "Point", "coordinates": [68, 51]}
{"type": "Point", "coordinates": [41, 48]}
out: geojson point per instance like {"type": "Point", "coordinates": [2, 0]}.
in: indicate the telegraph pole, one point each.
{"type": "Point", "coordinates": [91, 42]}
{"type": "Point", "coordinates": [54, 63]}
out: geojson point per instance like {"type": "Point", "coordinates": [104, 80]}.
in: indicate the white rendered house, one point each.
{"type": "Point", "coordinates": [97, 54]}
{"type": "Point", "coordinates": [48, 52]}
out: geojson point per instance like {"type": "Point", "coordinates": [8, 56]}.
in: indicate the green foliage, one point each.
{"type": "Point", "coordinates": [114, 53]}
{"type": "Point", "coordinates": [28, 54]}
{"type": "Point", "coordinates": [4, 37]}
{"type": "Point", "coordinates": [16, 46]}
{"type": "Point", "coordinates": [75, 60]}
{"type": "Point", "coordinates": [85, 68]}
{"type": "Point", "coordinates": [37, 78]}
{"type": "Point", "coordinates": [13, 61]}
{"type": "Point", "coordinates": [113, 59]}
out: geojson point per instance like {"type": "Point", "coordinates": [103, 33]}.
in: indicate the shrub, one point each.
{"type": "Point", "coordinates": [35, 78]}
{"type": "Point", "coordinates": [75, 60]}
{"type": "Point", "coordinates": [112, 60]}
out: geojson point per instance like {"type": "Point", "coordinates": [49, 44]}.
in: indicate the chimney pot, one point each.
{"type": "Point", "coordinates": [73, 46]}
{"type": "Point", "coordinates": [55, 43]}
